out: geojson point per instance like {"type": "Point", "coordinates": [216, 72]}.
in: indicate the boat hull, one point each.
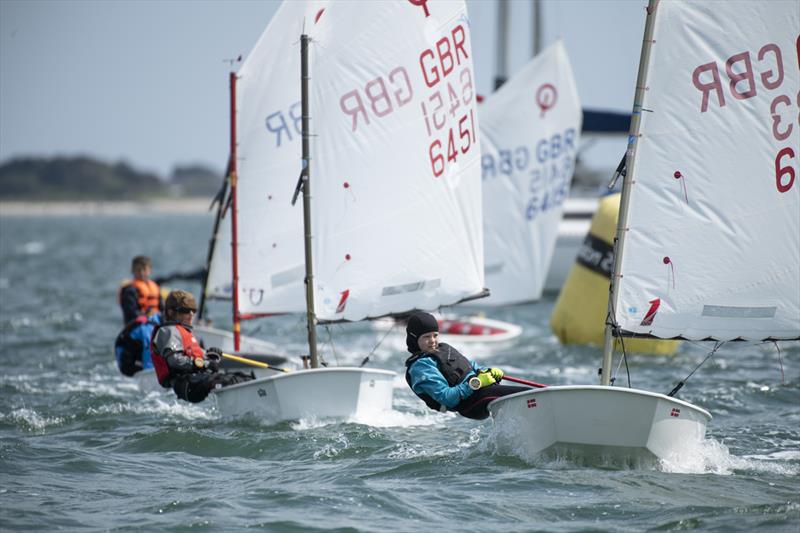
{"type": "Point", "coordinates": [595, 422]}
{"type": "Point", "coordinates": [459, 330]}
{"type": "Point", "coordinates": [339, 392]}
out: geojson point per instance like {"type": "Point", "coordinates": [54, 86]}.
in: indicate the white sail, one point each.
{"type": "Point", "coordinates": [219, 277]}
{"type": "Point", "coordinates": [530, 130]}
{"type": "Point", "coordinates": [269, 237]}
{"type": "Point", "coordinates": [713, 242]}
{"type": "Point", "coordinates": [395, 168]}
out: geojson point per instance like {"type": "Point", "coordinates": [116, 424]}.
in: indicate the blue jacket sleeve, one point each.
{"type": "Point", "coordinates": [426, 379]}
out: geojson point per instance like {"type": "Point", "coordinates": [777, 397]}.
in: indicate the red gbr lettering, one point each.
{"type": "Point", "coordinates": [449, 53]}
{"type": "Point", "coordinates": [741, 76]}
{"type": "Point", "coordinates": [382, 97]}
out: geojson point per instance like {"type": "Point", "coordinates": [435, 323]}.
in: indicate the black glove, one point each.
{"type": "Point", "coordinates": [216, 351]}
{"type": "Point", "coordinates": [213, 359]}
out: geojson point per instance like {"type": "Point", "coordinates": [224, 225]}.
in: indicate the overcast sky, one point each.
{"type": "Point", "coordinates": [147, 81]}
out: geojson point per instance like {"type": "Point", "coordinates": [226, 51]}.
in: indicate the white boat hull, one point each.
{"type": "Point", "coordinates": [340, 392]}
{"type": "Point", "coordinates": [597, 422]}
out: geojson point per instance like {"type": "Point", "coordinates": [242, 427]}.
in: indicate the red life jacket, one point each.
{"type": "Point", "coordinates": [191, 348]}
{"type": "Point", "coordinates": [149, 295]}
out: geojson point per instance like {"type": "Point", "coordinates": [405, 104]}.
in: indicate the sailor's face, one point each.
{"type": "Point", "coordinates": [428, 342]}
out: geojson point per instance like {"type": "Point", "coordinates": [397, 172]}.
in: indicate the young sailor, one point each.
{"type": "Point", "coordinates": [140, 299]}
{"type": "Point", "coordinates": [443, 378]}
{"type": "Point", "coordinates": [132, 346]}
{"type": "Point", "coordinates": [179, 360]}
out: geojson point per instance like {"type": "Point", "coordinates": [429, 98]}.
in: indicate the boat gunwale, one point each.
{"type": "Point", "coordinates": [304, 371]}
{"type": "Point", "coordinates": [620, 390]}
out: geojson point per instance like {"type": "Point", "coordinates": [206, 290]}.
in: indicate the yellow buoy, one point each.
{"type": "Point", "coordinates": [579, 316]}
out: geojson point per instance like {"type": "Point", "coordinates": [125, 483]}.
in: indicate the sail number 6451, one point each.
{"type": "Point", "coordinates": [466, 136]}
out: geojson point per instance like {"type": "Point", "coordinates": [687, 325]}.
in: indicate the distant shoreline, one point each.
{"type": "Point", "coordinates": [112, 208]}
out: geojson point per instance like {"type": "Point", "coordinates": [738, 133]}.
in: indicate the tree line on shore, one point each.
{"type": "Point", "coordinates": [85, 178]}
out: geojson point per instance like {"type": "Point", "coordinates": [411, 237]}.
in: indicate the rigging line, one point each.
{"type": "Point", "coordinates": [333, 348]}
{"type": "Point", "coordinates": [624, 357]}
{"type": "Point", "coordinates": [366, 359]}
{"type": "Point", "coordinates": [780, 361]}
{"type": "Point", "coordinates": [717, 346]}
{"type": "Point", "coordinates": [615, 327]}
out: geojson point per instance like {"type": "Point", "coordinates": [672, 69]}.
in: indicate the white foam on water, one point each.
{"type": "Point", "coordinates": [398, 419]}
{"type": "Point", "coordinates": [712, 457]}
{"type": "Point", "coordinates": [30, 419]}
{"type": "Point", "coordinates": [379, 419]}
{"type": "Point", "coordinates": [31, 248]}
{"type": "Point", "coordinates": [331, 450]}
{"type": "Point", "coordinates": [173, 407]}
{"type": "Point", "coordinates": [405, 450]}
{"type": "Point", "coordinates": [93, 386]}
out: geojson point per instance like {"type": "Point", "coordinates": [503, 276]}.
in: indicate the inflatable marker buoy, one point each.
{"type": "Point", "coordinates": [579, 315]}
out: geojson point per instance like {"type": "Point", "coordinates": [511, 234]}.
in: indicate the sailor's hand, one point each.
{"type": "Point", "coordinates": [215, 352]}
{"type": "Point", "coordinates": [481, 380]}
{"type": "Point", "coordinates": [213, 358]}
{"type": "Point", "coordinates": [141, 319]}
{"type": "Point", "coordinates": [497, 374]}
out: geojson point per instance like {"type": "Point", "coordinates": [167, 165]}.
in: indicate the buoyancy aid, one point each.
{"type": "Point", "coordinates": [191, 348]}
{"type": "Point", "coordinates": [149, 295]}
{"type": "Point", "coordinates": [453, 366]}
{"type": "Point", "coordinates": [132, 347]}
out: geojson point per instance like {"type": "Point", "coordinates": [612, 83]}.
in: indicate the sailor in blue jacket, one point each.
{"type": "Point", "coordinates": [443, 378]}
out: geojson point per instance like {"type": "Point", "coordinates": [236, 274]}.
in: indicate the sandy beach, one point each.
{"type": "Point", "coordinates": [95, 208]}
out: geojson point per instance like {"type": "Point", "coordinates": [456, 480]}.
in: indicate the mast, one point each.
{"type": "Point", "coordinates": [502, 44]}
{"type": "Point", "coordinates": [536, 13]}
{"type": "Point", "coordinates": [311, 320]}
{"type": "Point", "coordinates": [237, 326]}
{"type": "Point", "coordinates": [212, 243]}
{"type": "Point", "coordinates": [622, 219]}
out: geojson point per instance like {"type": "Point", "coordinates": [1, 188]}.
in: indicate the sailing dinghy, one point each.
{"type": "Point", "coordinates": [530, 131]}
{"type": "Point", "coordinates": [707, 239]}
{"type": "Point", "coordinates": [389, 165]}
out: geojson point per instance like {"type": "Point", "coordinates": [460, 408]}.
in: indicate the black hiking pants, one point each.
{"type": "Point", "coordinates": [475, 406]}
{"type": "Point", "coordinates": [195, 387]}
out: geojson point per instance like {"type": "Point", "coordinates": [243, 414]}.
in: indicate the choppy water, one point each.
{"type": "Point", "coordinates": [81, 449]}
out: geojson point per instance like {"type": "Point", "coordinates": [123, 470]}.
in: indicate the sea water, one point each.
{"type": "Point", "coordinates": [83, 449]}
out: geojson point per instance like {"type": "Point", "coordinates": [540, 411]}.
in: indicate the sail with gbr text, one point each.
{"type": "Point", "coordinates": [530, 131]}
{"type": "Point", "coordinates": [712, 247]}
{"type": "Point", "coordinates": [395, 161]}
